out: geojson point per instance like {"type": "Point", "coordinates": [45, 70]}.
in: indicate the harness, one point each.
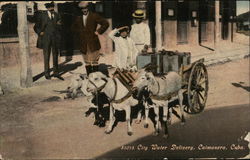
{"type": "Point", "coordinates": [113, 100]}
{"type": "Point", "coordinates": [101, 87]}
{"type": "Point", "coordinates": [125, 78]}
{"type": "Point", "coordinates": [164, 97]}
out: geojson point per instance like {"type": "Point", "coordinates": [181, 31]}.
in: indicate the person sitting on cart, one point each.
{"type": "Point", "coordinates": [125, 49]}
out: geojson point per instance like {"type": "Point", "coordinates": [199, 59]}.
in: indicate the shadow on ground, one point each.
{"type": "Point", "coordinates": [63, 68]}
{"type": "Point", "coordinates": [241, 86]}
{"type": "Point", "coordinates": [215, 127]}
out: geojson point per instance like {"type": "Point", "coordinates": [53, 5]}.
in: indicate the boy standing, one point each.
{"type": "Point", "coordinates": [126, 51]}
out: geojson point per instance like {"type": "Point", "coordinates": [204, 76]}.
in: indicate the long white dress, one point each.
{"type": "Point", "coordinates": [125, 51]}
{"type": "Point", "coordinates": [140, 34]}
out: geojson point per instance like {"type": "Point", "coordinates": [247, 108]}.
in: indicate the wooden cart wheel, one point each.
{"type": "Point", "coordinates": [197, 89]}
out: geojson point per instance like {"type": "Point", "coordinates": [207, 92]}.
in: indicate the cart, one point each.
{"type": "Point", "coordinates": [195, 85]}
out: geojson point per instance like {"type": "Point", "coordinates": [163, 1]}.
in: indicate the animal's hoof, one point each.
{"type": "Point", "coordinates": [169, 122]}
{"type": "Point", "coordinates": [101, 124]}
{"type": "Point", "coordinates": [107, 132]}
{"type": "Point", "coordinates": [130, 133]}
{"type": "Point", "coordinates": [96, 123]}
{"type": "Point", "coordinates": [137, 121]}
{"type": "Point", "coordinates": [165, 136]}
{"type": "Point", "coordinates": [156, 133]}
{"type": "Point", "coordinates": [145, 125]}
{"type": "Point", "coordinates": [87, 113]}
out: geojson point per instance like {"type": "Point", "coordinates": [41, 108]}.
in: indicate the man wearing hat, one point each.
{"type": "Point", "coordinates": [47, 28]}
{"type": "Point", "coordinates": [85, 29]}
{"type": "Point", "coordinates": [140, 32]}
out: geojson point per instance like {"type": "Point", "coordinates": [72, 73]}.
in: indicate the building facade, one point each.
{"type": "Point", "coordinates": [184, 22]}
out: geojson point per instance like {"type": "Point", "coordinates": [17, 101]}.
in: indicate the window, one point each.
{"type": "Point", "coordinates": [8, 26]}
{"type": "Point", "coordinates": [170, 12]}
{"type": "Point", "coordinates": [194, 14]}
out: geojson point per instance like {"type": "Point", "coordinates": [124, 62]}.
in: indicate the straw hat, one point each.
{"type": "Point", "coordinates": [139, 14]}
{"type": "Point", "coordinates": [83, 4]}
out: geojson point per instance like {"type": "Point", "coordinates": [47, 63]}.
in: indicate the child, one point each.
{"type": "Point", "coordinates": [126, 51]}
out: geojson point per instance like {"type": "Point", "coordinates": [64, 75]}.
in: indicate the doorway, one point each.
{"type": "Point", "coordinates": [182, 22]}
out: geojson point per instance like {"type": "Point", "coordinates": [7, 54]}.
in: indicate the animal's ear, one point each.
{"type": "Point", "coordinates": [149, 67]}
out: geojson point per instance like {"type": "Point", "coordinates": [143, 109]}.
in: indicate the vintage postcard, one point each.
{"type": "Point", "coordinates": [124, 79]}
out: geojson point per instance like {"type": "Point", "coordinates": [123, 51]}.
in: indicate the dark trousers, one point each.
{"type": "Point", "coordinates": [49, 46]}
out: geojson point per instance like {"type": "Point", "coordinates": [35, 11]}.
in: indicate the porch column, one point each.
{"type": "Point", "coordinates": [217, 24]}
{"type": "Point", "coordinates": [1, 91]}
{"type": "Point", "coordinates": [23, 35]}
{"type": "Point", "coordinates": [158, 26]}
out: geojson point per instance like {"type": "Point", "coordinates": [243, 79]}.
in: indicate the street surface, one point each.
{"type": "Point", "coordinates": [38, 123]}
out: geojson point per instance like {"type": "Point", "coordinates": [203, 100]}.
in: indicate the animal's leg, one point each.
{"type": "Point", "coordinates": [157, 122]}
{"type": "Point", "coordinates": [74, 93]}
{"type": "Point", "coordinates": [165, 119]}
{"type": "Point", "coordinates": [138, 119]}
{"type": "Point", "coordinates": [128, 114]}
{"type": "Point", "coordinates": [146, 115]}
{"type": "Point", "coordinates": [111, 119]}
{"type": "Point", "coordinates": [169, 114]}
{"type": "Point", "coordinates": [180, 96]}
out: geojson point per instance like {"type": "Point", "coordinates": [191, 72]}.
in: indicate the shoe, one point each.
{"type": "Point", "coordinates": [58, 76]}
{"type": "Point", "coordinates": [47, 77]}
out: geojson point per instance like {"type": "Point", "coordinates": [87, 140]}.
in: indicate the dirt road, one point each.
{"type": "Point", "coordinates": [38, 123]}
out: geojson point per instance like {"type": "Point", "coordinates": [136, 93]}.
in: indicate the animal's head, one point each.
{"type": "Point", "coordinates": [144, 79]}
{"type": "Point", "coordinates": [96, 80]}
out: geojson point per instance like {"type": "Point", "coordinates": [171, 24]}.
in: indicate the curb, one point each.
{"type": "Point", "coordinates": [225, 60]}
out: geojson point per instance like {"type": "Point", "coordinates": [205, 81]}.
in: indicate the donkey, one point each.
{"type": "Point", "coordinates": [162, 90]}
{"type": "Point", "coordinates": [119, 97]}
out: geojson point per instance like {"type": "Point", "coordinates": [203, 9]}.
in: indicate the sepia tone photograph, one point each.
{"type": "Point", "coordinates": [125, 79]}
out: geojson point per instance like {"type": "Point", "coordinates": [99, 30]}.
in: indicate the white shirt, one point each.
{"type": "Point", "coordinates": [50, 15]}
{"type": "Point", "coordinates": [140, 34]}
{"type": "Point", "coordinates": [125, 50]}
{"type": "Point", "coordinates": [84, 17]}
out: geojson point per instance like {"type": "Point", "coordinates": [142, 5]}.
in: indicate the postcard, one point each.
{"type": "Point", "coordinates": [124, 79]}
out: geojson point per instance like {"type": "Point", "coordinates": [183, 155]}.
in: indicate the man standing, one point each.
{"type": "Point", "coordinates": [47, 28]}
{"type": "Point", "coordinates": [140, 32]}
{"type": "Point", "coordinates": [85, 27]}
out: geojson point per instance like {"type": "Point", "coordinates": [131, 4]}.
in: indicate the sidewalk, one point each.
{"type": "Point", "coordinates": [227, 51]}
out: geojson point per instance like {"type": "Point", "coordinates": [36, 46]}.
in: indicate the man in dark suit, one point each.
{"type": "Point", "coordinates": [47, 28]}
{"type": "Point", "coordinates": [86, 34]}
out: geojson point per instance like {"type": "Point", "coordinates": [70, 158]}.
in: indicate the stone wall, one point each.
{"type": "Point", "coordinates": [9, 48]}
